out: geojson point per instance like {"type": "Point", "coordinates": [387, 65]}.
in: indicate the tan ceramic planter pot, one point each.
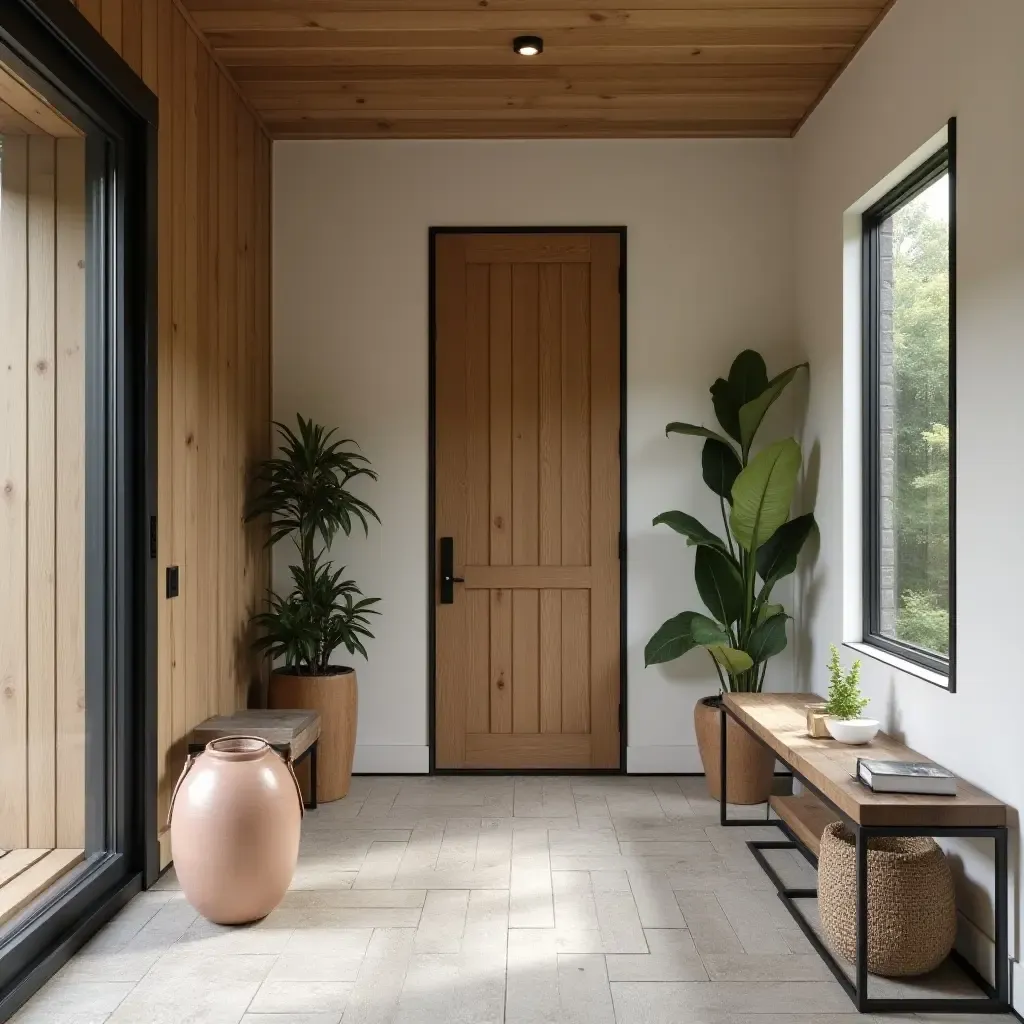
{"type": "Point", "coordinates": [235, 820]}
{"type": "Point", "coordinates": [750, 764]}
{"type": "Point", "coordinates": [336, 697]}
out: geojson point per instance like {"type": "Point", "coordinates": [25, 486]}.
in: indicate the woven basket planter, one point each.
{"type": "Point", "coordinates": [911, 902]}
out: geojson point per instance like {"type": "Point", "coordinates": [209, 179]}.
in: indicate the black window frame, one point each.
{"type": "Point", "coordinates": [52, 47]}
{"type": "Point", "coordinates": [941, 163]}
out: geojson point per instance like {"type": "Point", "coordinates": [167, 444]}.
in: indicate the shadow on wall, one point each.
{"type": "Point", "coordinates": [809, 585]}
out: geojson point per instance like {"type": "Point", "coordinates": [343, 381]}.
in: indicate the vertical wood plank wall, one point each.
{"type": "Point", "coordinates": [42, 530]}
{"type": "Point", "coordinates": [214, 366]}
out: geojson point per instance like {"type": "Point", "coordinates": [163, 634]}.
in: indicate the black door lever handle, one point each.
{"type": "Point", "coordinates": [448, 577]}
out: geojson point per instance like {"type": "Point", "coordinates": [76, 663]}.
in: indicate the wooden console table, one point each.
{"type": "Point", "coordinates": [826, 769]}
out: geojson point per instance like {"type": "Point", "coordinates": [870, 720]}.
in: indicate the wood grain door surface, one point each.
{"type": "Point", "coordinates": [527, 418]}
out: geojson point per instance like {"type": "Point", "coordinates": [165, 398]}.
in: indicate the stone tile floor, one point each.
{"type": "Point", "coordinates": [478, 900]}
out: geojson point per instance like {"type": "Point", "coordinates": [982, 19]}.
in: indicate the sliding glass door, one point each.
{"type": "Point", "coordinates": [77, 832]}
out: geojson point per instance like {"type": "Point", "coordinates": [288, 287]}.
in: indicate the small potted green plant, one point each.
{"type": "Point", "coordinates": [304, 491]}
{"type": "Point", "coordinates": [845, 704]}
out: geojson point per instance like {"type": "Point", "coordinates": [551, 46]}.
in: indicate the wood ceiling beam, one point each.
{"type": "Point", "coordinates": [539, 6]}
{"type": "Point", "coordinates": [675, 75]}
{"type": "Point", "coordinates": [569, 91]}
{"type": "Point", "coordinates": [570, 22]}
{"type": "Point", "coordinates": [491, 44]}
{"type": "Point", "coordinates": [679, 109]}
{"type": "Point", "coordinates": [628, 108]}
{"type": "Point", "coordinates": [487, 128]}
{"type": "Point", "coordinates": [502, 56]}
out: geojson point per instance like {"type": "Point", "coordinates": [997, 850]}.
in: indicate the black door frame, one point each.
{"type": "Point", "coordinates": [52, 47]}
{"type": "Point", "coordinates": [433, 234]}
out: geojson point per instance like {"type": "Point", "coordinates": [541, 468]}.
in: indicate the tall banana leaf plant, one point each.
{"type": "Point", "coordinates": [736, 573]}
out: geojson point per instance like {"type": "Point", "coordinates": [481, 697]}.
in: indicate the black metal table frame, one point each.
{"type": "Point", "coordinates": [996, 999]}
{"type": "Point", "coordinates": [283, 748]}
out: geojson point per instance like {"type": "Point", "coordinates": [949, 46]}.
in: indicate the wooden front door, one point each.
{"type": "Point", "coordinates": [527, 500]}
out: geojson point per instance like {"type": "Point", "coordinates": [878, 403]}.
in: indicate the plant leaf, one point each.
{"type": "Point", "coordinates": [694, 431]}
{"type": "Point", "coordinates": [720, 466]}
{"type": "Point", "coordinates": [726, 410]}
{"type": "Point", "coordinates": [752, 412]}
{"type": "Point", "coordinates": [777, 557]}
{"type": "Point", "coordinates": [766, 611]}
{"type": "Point", "coordinates": [748, 376]}
{"type": "Point", "coordinates": [695, 532]}
{"type": "Point", "coordinates": [763, 492]}
{"type": "Point", "coordinates": [680, 634]}
{"type": "Point", "coordinates": [768, 638]}
{"type": "Point", "coordinates": [733, 661]}
{"type": "Point", "coordinates": [719, 583]}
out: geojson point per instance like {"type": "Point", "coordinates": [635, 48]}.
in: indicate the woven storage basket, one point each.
{"type": "Point", "coordinates": [911, 902]}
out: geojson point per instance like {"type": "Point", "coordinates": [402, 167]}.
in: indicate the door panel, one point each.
{"type": "Point", "coordinates": [527, 485]}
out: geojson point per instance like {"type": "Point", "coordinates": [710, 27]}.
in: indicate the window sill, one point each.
{"type": "Point", "coordinates": [895, 661]}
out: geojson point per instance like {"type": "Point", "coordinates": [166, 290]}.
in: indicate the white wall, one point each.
{"type": "Point", "coordinates": [931, 59]}
{"type": "Point", "coordinates": [710, 273]}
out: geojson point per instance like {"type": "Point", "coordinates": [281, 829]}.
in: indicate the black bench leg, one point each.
{"type": "Point", "coordinates": [312, 776]}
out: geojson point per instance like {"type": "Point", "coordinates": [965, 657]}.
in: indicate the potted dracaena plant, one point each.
{"type": "Point", "coordinates": [304, 491]}
{"type": "Point", "coordinates": [737, 572]}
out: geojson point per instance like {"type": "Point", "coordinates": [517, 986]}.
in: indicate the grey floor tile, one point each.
{"type": "Point", "coordinates": [442, 922]}
{"type": "Point", "coordinates": [64, 1001]}
{"type": "Point", "coordinates": [380, 865]}
{"type": "Point", "coordinates": [670, 1002]}
{"type": "Point", "coordinates": [712, 933]}
{"type": "Point", "coordinates": [376, 992]}
{"type": "Point", "coordinates": [292, 1018]}
{"type": "Point", "coordinates": [673, 957]}
{"type": "Point", "coordinates": [790, 967]}
{"type": "Point", "coordinates": [654, 898]}
{"type": "Point", "coordinates": [753, 923]}
{"type": "Point", "coordinates": [531, 995]}
{"type": "Point", "coordinates": [428, 991]}
{"type": "Point", "coordinates": [340, 899]}
{"type": "Point", "coordinates": [573, 894]}
{"type": "Point", "coordinates": [584, 995]}
{"type": "Point", "coordinates": [275, 996]}
{"type": "Point", "coordinates": [530, 895]}
{"type": "Point", "coordinates": [195, 988]}
{"type": "Point", "coordinates": [617, 916]}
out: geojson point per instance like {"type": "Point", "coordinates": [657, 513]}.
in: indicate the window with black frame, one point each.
{"type": "Point", "coordinates": [909, 320]}
{"type": "Point", "coordinates": [77, 791]}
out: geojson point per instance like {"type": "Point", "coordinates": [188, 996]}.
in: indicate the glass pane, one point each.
{"type": "Point", "coordinates": [42, 516]}
{"type": "Point", "coordinates": [914, 420]}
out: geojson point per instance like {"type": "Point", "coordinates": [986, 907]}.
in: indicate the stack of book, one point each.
{"type": "Point", "coordinates": [906, 777]}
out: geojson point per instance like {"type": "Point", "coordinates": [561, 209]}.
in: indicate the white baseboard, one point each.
{"type": "Point", "coordinates": [979, 950]}
{"type": "Point", "coordinates": [391, 760]}
{"type": "Point", "coordinates": [663, 760]}
{"type": "Point", "coordinates": [975, 947]}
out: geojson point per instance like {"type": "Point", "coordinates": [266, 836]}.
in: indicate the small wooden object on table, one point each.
{"type": "Point", "coordinates": [293, 733]}
{"type": "Point", "coordinates": [816, 726]}
{"type": "Point", "coordinates": [826, 768]}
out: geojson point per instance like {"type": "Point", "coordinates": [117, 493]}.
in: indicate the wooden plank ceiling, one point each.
{"type": "Point", "coordinates": [446, 68]}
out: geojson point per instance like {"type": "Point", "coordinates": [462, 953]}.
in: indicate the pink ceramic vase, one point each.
{"type": "Point", "coordinates": [235, 820]}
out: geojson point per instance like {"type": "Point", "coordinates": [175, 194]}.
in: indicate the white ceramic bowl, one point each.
{"type": "Point", "coordinates": [852, 730]}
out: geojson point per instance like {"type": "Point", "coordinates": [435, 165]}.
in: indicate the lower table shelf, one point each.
{"type": "Point", "coordinates": [806, 817]}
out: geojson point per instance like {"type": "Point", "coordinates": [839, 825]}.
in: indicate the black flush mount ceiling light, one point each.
{"type": "Point", "coordinates": [528, 46]}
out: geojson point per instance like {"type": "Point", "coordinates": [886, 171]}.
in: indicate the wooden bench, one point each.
{"type": "Point", "coordinates": [826, 769]}
{"type": "Point", "coordinates": [296, 734]}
